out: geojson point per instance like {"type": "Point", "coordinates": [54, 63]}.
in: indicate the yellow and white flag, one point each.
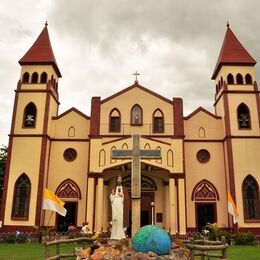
{"type": "Point", "coordinates": [232, 209]}
{"type": "Point", "coordinates": [52, 202]}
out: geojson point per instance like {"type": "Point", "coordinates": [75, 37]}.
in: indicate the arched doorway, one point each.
{"type": "Point", "coordinates": [69, 191]}
{"type": "Point", "coordinates": [148, 188]}
{"type": "Point", "coordinates": [205, 196]}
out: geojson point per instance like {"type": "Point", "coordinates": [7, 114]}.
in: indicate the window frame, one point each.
{"type": "Point", "coordinates": [26, 216]}
{"type": "Point", "coordinates": [249, 117]}
{"type": "Point", "coordinates": [118, 129]}
{"type": "Point", "coordinates": [155, 125]}
{"type": "Point", "coordinates": [132, 123]}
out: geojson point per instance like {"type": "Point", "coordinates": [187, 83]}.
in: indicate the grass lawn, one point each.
{"type": "Point", "coordinates": [36, 251]}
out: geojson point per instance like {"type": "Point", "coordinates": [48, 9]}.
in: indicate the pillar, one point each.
{"type": "Point", "coordinates": [99, 205]}
{"type": "Point", "coordinates": [182, 208]}
{"type": "Point", "coordinates": [136, 215]}
{"type": "Point", "coordinates": [166, 206]}
{"type": "Point", "coordinates": [105, 207]}
{"type": "Point", "coordinates": [172, 206]}
{"type": "Point", "coordinates": [90, 202]}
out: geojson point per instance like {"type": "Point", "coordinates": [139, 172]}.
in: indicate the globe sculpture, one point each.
{"type": "Point", "coordinates": [151, 238]}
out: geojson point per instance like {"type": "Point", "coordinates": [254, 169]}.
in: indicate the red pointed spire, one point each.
{"type": "Point", "coordinates": [41, 52]}
{"type": "Point", "coordinates": [232, 53]}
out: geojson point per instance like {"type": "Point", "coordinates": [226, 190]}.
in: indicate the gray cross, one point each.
{"type": "Point", "coordinates": [136, 74]}
{"type": "Point", "coordinates": [136, 154]}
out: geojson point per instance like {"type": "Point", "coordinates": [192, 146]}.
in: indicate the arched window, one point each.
{"type": "Point", "coordinates": [230, 79]}
{"type": "Point", "coordinates": [26, 77]}
{"type": "Point", "coordinates": [102, 157]}
{"type": "Point", "coordinates": [159, 160]}
{"type": "Point", "coordinates": [147, 146]}
{"type": "Point", "coordinates": [29, 118]}
{"type": "Point", "coordinates": [243, 117]}
{"type": "Point", "coordinates": [43, 77]}
{"type": "Point", "coordinates": [239, 79]}
{"type": "Point", "coordinates": [136, 115]}
{"type": "Point", "coordinates": [248, 79]}
{"type": "Point", "coordinates": [204, 191]}
{"type": "Point", "coordinates": [68, 189]}
{"type": "Point", "coordinates": [35, 77]}
{"type": "Point", "coordinates": [114, 121]}
{"type": "Point", "coordinates": [201, 132]}
{"type": "Point", "coordinates": [21, 200]}
{"type": "Point", "coordinates": [111, 159]}
{"type": "Point", "coordinates": [158, 121]}
{"type": "Point", "coordinates": [251, 200]}
{"type": "Point", "coordinates": [170, 158]}
{"type": "Point", "coordinates": [71, 132]}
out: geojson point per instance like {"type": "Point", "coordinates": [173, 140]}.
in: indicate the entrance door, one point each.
{"type": "Point", "coordinates": [206, 213]}
{"type": "Point", "coordinates": [146, 209]}
{"type": "Point", "coordinates": [70, 218]}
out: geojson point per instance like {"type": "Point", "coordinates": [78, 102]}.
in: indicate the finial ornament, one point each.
{"type": "Point", "coordinates": [227, 24]}
{"type": "Point", "coordinates": [46, 23]}
{"type": "Point", "coordinates": [136, 74]}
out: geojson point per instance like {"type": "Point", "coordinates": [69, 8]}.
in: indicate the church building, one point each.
{"type": "Point", "coordinates": [204, 155]}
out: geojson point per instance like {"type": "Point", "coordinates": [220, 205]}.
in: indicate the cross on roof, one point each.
{"type": "Point", "coordinates": [136, 74]}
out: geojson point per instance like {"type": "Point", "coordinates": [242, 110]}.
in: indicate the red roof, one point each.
{"type": "Point", "coordinates": [232, 53]}
{"type": "Point", "coordinates": [41, 52]}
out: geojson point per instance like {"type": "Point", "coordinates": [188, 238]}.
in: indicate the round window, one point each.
{"type": "Point", "coordinates": [70, 154]}
{"type": "Point", "coordinates": [203, 156]}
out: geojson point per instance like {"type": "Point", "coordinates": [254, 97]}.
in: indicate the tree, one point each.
{"type": "Point", "coordinates": [3, 158]}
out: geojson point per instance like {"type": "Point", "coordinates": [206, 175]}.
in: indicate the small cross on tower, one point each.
{"type": "Point", "coordinates": [136, 74]}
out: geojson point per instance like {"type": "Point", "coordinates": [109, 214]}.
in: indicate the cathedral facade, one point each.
{"type": "Point", "coordinates": [203, 155]}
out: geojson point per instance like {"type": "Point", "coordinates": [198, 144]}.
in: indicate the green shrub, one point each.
{"type": "Point", "coordinates": [244, 238]}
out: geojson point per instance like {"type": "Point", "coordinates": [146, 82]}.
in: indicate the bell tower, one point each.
{"type": "Point", "coordinates": [36, 102]}
{"type": "Point", "coordinates": [237, 102]}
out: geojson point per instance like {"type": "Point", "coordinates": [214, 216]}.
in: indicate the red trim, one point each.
{"type": "Point", "coordinates": [155, 140]}
{"type": "Point", "coordinates": [201, 183]}
{"type": "Point", "coordinates": [38, 217]}
{"type": "Point", "coordinates": [9, 228]}
{"type": "Point", "coordinates": [201, 109]}
{"type": "Point", "coordinates": [64, 183]}
{"type": "Point", "coordinates": [136, 85]}
{"type": "Point", "coordinates": [178, 117]}
{"type": "Point", "coordinates": [73, 109]}
{"type": "Point", "coordinates": [95, 116]}
{"type": "Point", "coordinates": [116, 140]}
{"type": "Point", "coordinates": [257, 102]}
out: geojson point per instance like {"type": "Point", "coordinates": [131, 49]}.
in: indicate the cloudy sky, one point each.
{"type": "Point", "coordinates": [98, 45]}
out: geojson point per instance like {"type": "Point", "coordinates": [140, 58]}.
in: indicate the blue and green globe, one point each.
{"type": "Point", "coordinates": [152, 238]}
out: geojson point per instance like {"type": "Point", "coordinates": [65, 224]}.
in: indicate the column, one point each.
{"type": "Point", "coordinates": [172, 208]}
{"type": "Point", "coordinates": [136, 209]}
{"type": "Point", "coordinates": [182, 208]}
{"type": "Point", "coordinates": [90, 202]}
{"type": "Point", "coordinates": [166, 206]}
{"type": "Point", "coordinates": [99, 205]}
{"type": "Point", "coordinates": [105, 207]}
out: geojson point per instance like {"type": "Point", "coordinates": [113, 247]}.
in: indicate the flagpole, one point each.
{"type": "Point", "coordinates": [49, 221]}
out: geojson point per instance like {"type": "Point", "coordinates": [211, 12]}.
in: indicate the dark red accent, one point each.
{"type": "Point", "coordinates": [95, 116]}
{"type": "Point", "coordinates": [255, 230]}
{"type": "Point", "coordinates": [9, 228]}
{"type": "Point", "coordinates": [201, 109]}
{"type": "Point", "coordinates": [119, 115]}
{"type": "Point", "coordinates": [42, 162]}
{"type": "Point", "coordinates": [68, 189]}
{"type": "Point", "coordinates": [206, 194]}
{"type": "Point", "coordinates": [73, 109]}
{"type": "Point", "coordinates": [136, 85]}
{"type": "Point", "coordinates": [154, 139]}
{"type": "Point", "coordinates": [178, 117]}
{"type": "Point", "coordinates": [257, 102]}
{"type": "Point", "coordinates": [232, 53]}
{"type": "Point", "coordinates": [41, 52]}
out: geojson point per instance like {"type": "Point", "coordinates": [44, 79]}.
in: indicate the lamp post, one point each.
{"type": "Point", "coordinates": [152, 205]}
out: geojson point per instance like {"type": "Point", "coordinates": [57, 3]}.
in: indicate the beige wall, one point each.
{"type": "Point", "coordinates": [212, 171]}
{"type": "Point", "coordinates": [246, 157]}
{"type": "Point", "coordinates": [124, 103]}
{"type": "Point", "coordinates": [22, 163]}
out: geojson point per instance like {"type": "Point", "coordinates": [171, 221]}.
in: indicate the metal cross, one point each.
{"type": "Point", "coordinates": [136, 74]}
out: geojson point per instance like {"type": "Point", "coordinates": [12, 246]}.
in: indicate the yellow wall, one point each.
{"type": "Point", "coordinates": [22, 163]}
{"type": "Point", "coordinates": [124, 103]}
